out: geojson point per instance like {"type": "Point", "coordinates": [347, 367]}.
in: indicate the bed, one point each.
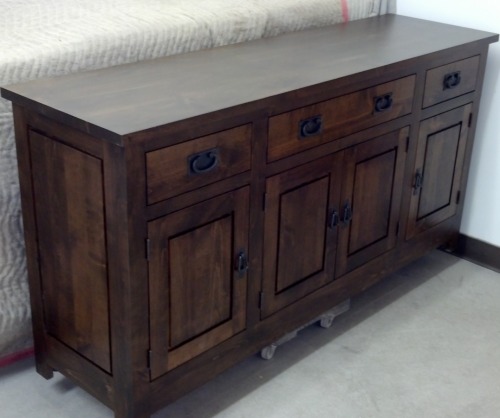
{"type": "Point", "coordinates": [55, 37]}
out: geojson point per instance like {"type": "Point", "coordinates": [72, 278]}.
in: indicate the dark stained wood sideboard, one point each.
{"type": "Point", "coordinates": [182, 213]}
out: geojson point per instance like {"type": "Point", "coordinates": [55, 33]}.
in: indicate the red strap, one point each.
{"type": "Point", "coordinates": [345, 10]}
{"type": "Point", "coordinates": [12, 358]}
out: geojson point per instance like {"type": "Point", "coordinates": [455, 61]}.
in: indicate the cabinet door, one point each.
{"type": "Point", "coordinates": [197, 278]}
{"type": "Point", "coordinates": [438, 167]}
{"type": "Point", "coordinates": [300, 232]}
{"type": "Point", "coordinates": [371, 198]}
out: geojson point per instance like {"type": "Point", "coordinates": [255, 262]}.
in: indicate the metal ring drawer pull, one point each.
{"type": "Point", "coordinates": [311, 126]}
{"type": "Point", "coordinates": [203, 162]}
{"type": "Point", "coordinates": [383, 103]}
{"type": "Point", "coordinates": [451, 80]}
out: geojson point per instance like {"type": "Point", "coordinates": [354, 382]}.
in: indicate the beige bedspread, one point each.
{"type": "Point", "coordinates": [55, 37]}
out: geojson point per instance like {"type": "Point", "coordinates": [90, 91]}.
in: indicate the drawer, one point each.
{"type": "Point", "coordinates": [313, 125]}
{"type": "Point", "coordinates": [180, 168]}
{"type": "Point", "coordinates": [450, 80]}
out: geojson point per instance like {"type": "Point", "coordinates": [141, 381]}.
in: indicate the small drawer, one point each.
{"type": "Point", "coordinates": [450, 80]}
{"type": "Point", "coordinates": [180, 168]}
{"type": "Point", "coordinates": [313, 125]}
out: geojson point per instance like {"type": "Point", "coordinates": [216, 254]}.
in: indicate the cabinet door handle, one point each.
{"type": "Point", "coordinates": [451, 80]}
{"type": "Point", "coordinates": [334, 219]}
{"type": "Point", "coordinates": [310, 127]}
{"type": "Point", "coordinates": [241, 263]}
{"type": "Point", "coordinates": [203, 162]}
{"type": "Point", "coordinates": [347, 217]}
{"type": "Point", "coordinates": [419, 180]}
{"type": "Point", "coordinates": [383, 103]}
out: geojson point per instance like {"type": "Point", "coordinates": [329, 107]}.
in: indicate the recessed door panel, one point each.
{"type": "Point", "coordinates": [302, 225]}
{"type": "Point", "coordinates": [198, 279]}
{"type": "Point", "coordinates": [438, 172]}
{"type": "Point", "coordinates": [442, 140]}
{"type": "Point", "coordinates": [373, 180]}
{"type": "Point", "coordinates": [206, 284]}
{"type": "Point", "coordinates": [300, 231]}
{"type": "Point", "coordinates": [371, 199]}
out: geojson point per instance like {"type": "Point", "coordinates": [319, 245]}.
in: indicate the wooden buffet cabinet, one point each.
{"type": "Point", "coordinates": [182, 213]}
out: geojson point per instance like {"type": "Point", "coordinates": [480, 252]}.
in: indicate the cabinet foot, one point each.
{"type": "Point", "coordinates": [45, 371]}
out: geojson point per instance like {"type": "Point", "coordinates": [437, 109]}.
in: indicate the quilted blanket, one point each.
{"type": "Point", "coordinates": [55, 37]}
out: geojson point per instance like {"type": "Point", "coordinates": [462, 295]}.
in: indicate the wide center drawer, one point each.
{"type": "Point", "coordinates": [183, 167]}
{"type": "Point", "coordinates": [309, 126]}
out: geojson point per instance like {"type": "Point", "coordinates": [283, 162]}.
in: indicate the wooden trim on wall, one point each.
{"type": "Point", "coordinates": [478, 252]}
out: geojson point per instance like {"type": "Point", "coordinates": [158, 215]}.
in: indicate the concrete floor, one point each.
{"type": "Point", "coordinates": [423, 343]}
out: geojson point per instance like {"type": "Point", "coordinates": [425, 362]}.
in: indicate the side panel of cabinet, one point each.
{"type": "Point", "coordinates": [69, 206]}
{"type": "Point", "coordinates": [371, 199]}
{"type": "Point", "coordinates": [438, 167]}
{"type": "Point", "coordinates": [300, 235]}
{"type": "Point", "coordinates": [197, 296]}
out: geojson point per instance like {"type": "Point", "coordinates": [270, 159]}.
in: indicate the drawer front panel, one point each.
{"type": "Point", "coordinates": [451, 80]}
{"type": "Point", "coordinates": [313, 125]}
{"type": "Point", "coordinates": [201, 161]}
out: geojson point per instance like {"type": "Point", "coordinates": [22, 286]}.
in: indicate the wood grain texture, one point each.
{"type": "Point", "coordinates": [372, 186]}
{"type": "Point", "coordinates": [168, 169]}
{"type": "Point", "coordinates": [180, 87]}
{"type": "Point", "coordinates": [124, 180]}
{"type": "Point", "coordinates": [198, 299]}
{"type": "Point", "coordinates": [178, 311]}
{"type": "Point", "coordinates": [299, 204]}
{"type": "Point", "coordinates": [302, 225]}
{"type": "Point", "coordinates": [435, 91]}
{"type": "Point", "coordinates": [200, 294]}
{"type": "Point", "coordinates": [438, 173]}
{"type": "Point", "coordinates": [442, 141]}
{"type": "Point", "coordinates": [340, 116]}
{"type": "Point", "coordinates": [72, 247]}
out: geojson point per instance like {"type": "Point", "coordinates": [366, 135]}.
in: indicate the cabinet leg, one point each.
{"type": "Point", "coordinates": [45, 371]}
{"type": "Point", "coordinates": [42, 368]}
